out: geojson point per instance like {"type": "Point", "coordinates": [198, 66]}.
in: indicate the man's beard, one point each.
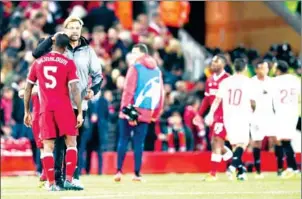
{"type": "Point", "coordinates": [72, 38]}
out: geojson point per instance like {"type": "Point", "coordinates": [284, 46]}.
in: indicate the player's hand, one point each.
{"type": "Point", "coordinates": [27, 119]}
{"type": "Point", "coordinates": [89, 95]}
{"type": "Point", "coordinates": [209, 119]}
{"type": "Point", "coordinates": [54, 37]}
{"type": "Point", "coordinates": [132, 123]}
{"type": "Point", "coordinates": [80, 120]}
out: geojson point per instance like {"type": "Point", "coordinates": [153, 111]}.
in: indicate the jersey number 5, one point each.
{"type": "Point", "coordinates": [235, 96]}
{"type": "Point", "coordinates": [50, 77]}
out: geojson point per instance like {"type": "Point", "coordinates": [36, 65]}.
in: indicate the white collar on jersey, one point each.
{"type": "Point", "coordinates": [216, 77]}
{"type": "Point", "coordinates": [53, 51]}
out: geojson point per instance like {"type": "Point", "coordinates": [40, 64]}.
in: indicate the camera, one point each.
{"type": "Point", "coordinates": [131, 112]}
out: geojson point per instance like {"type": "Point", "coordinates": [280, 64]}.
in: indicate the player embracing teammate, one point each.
{"type": "Point", "coordinates": [55, 74]}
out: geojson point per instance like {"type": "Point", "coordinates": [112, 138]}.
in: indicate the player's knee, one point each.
{"type": "Point", "coordinates": [48, 146]}
{"type": "Point", "coordinates": [71, 141]}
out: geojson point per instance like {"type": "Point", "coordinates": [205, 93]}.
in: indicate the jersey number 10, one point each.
{"type": "Point", "coordinates": [235, 97]}
{"type": "Point", "coordinates": [50, 77]}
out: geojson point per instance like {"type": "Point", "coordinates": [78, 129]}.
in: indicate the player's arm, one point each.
{"type": "Point", "coordinates": [215, 105]}
{"type": "Point", "coordinates": [205, 104]}
{"type": "Point", "coordinates": [129, 87]}
{"type": "Point", "coordinates": [158, 111]}
{"type": "Point", "coordinates": [44, 46]}
{"type": "Point", "coordinates": [73, 81]}
{"type": "Point", "coordinates": [27, 95]}
{"type": "Point", "coordinates": [22, 90]}
{"type": "Point", "coordinates": [76, 95]}
{"type": "Point", "coordinates": [219, 95]}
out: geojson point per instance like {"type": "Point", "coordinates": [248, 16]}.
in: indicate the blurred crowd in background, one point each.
{"type": "Point", "coordinates": [25, 23]}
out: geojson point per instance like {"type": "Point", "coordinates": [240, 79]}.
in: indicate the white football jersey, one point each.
{"type": "Point", "coordinates": [236, 93]}
{"type": "Point", "coordinates": [287, 93]}
{"type": "Point", "coordinates": [264, 93]}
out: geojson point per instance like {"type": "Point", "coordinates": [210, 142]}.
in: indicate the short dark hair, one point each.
{"type": "Point", "coordinates": [282, 66]}
{"type": "Point", "coordinates": [239, 64]}
{"type": "Point", "coordinates": [62, 41]}
{"type": "Point", "coordinates": [142, 48]}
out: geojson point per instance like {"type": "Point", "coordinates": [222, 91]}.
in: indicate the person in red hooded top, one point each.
{"type": "Point", "coordinates": [217, 130]}
{"type": "Point", "coordinates": [142, 102]}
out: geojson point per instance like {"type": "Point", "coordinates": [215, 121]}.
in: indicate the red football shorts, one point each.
{"type": "Point", "coordinates": [57, 123]}
{"type": "Point", "coordinates": [218, 129]}
{"type": "Point", "coordinates": [36, 131]}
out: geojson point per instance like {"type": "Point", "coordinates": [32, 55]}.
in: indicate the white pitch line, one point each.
{"type": "Point", "coordinates": [120, 194]}
{"type": "Point", "coordinates": [178, 193]}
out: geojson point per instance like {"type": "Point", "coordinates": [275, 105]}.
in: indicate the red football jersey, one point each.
{"type": "Point", "coordinates": [54, 72]}
{"type": "Point", "coordinates": [211, 88]}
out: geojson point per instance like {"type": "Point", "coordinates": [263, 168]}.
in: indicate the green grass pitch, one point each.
{"type": "Point", "coordinates": [168, 186]}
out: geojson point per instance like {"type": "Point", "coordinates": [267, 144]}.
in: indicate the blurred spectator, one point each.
{"type": "Point", "coordinates": [85, 33]}
{"type": "Point", "coordinates": [191, 111]}
{"type": "Point", "coordinates": [138, 33]}
{"type": "Point", "coordinates": [100, 16]}
{"type": "Point", "coordinates": [115, 47]}
{"type": "Point", "coordinates": [157, 27]}
{"type": "Point", "coordinates": [143, 21]}
{"type": "Point", "coordinates": [176, 136]}
{"type": "Point", "coordinates": [7, 104]}
{"type": "Point", "coordinates": [24, 23]}
{"type": "Point", "coordinates": [99, 41]}
{"type": "Point", "coordinates": [174, 58]}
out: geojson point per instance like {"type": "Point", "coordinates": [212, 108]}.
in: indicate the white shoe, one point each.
{"type": "Point", "coordinates": [78, 183]}
{"type": "Point", "coordinates": [231, 171]}
{"type": "Point", "coordinates": [46, 185]}
{"type": "Point", "coordinates": [242, 177]}
{"type": "Point", "coordinates": [288, 173]}
{"type": "Point", "coordinates": [118, 177]}
{"type": "Point", "coordinates": [137, 179]}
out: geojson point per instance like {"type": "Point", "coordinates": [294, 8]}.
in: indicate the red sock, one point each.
{"type": "Point", "coordinates": [49, 167]}
{"type": "Point", "coordinates": [182, 139]}
{"type": "Point", "coordinates": [43, 174]}
{"type": "Point", "coordinates": [170, 140]}
{"type": "Point", "coordinates": [215, 160]}
{"type": "Point", "coordinates": [71, 162]}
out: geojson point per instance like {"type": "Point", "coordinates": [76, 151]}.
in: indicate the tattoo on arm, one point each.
{"type": "Point", "coordinates": [27, 95]}
{"type": "Point", "coordinates": [76, 95]}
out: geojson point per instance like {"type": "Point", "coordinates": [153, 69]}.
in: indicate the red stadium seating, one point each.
{"type": "Point", "coordinates": [156, 162]}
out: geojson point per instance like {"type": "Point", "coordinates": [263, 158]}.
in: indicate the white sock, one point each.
{"type": "Point", "coordinates": [228, 154]}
